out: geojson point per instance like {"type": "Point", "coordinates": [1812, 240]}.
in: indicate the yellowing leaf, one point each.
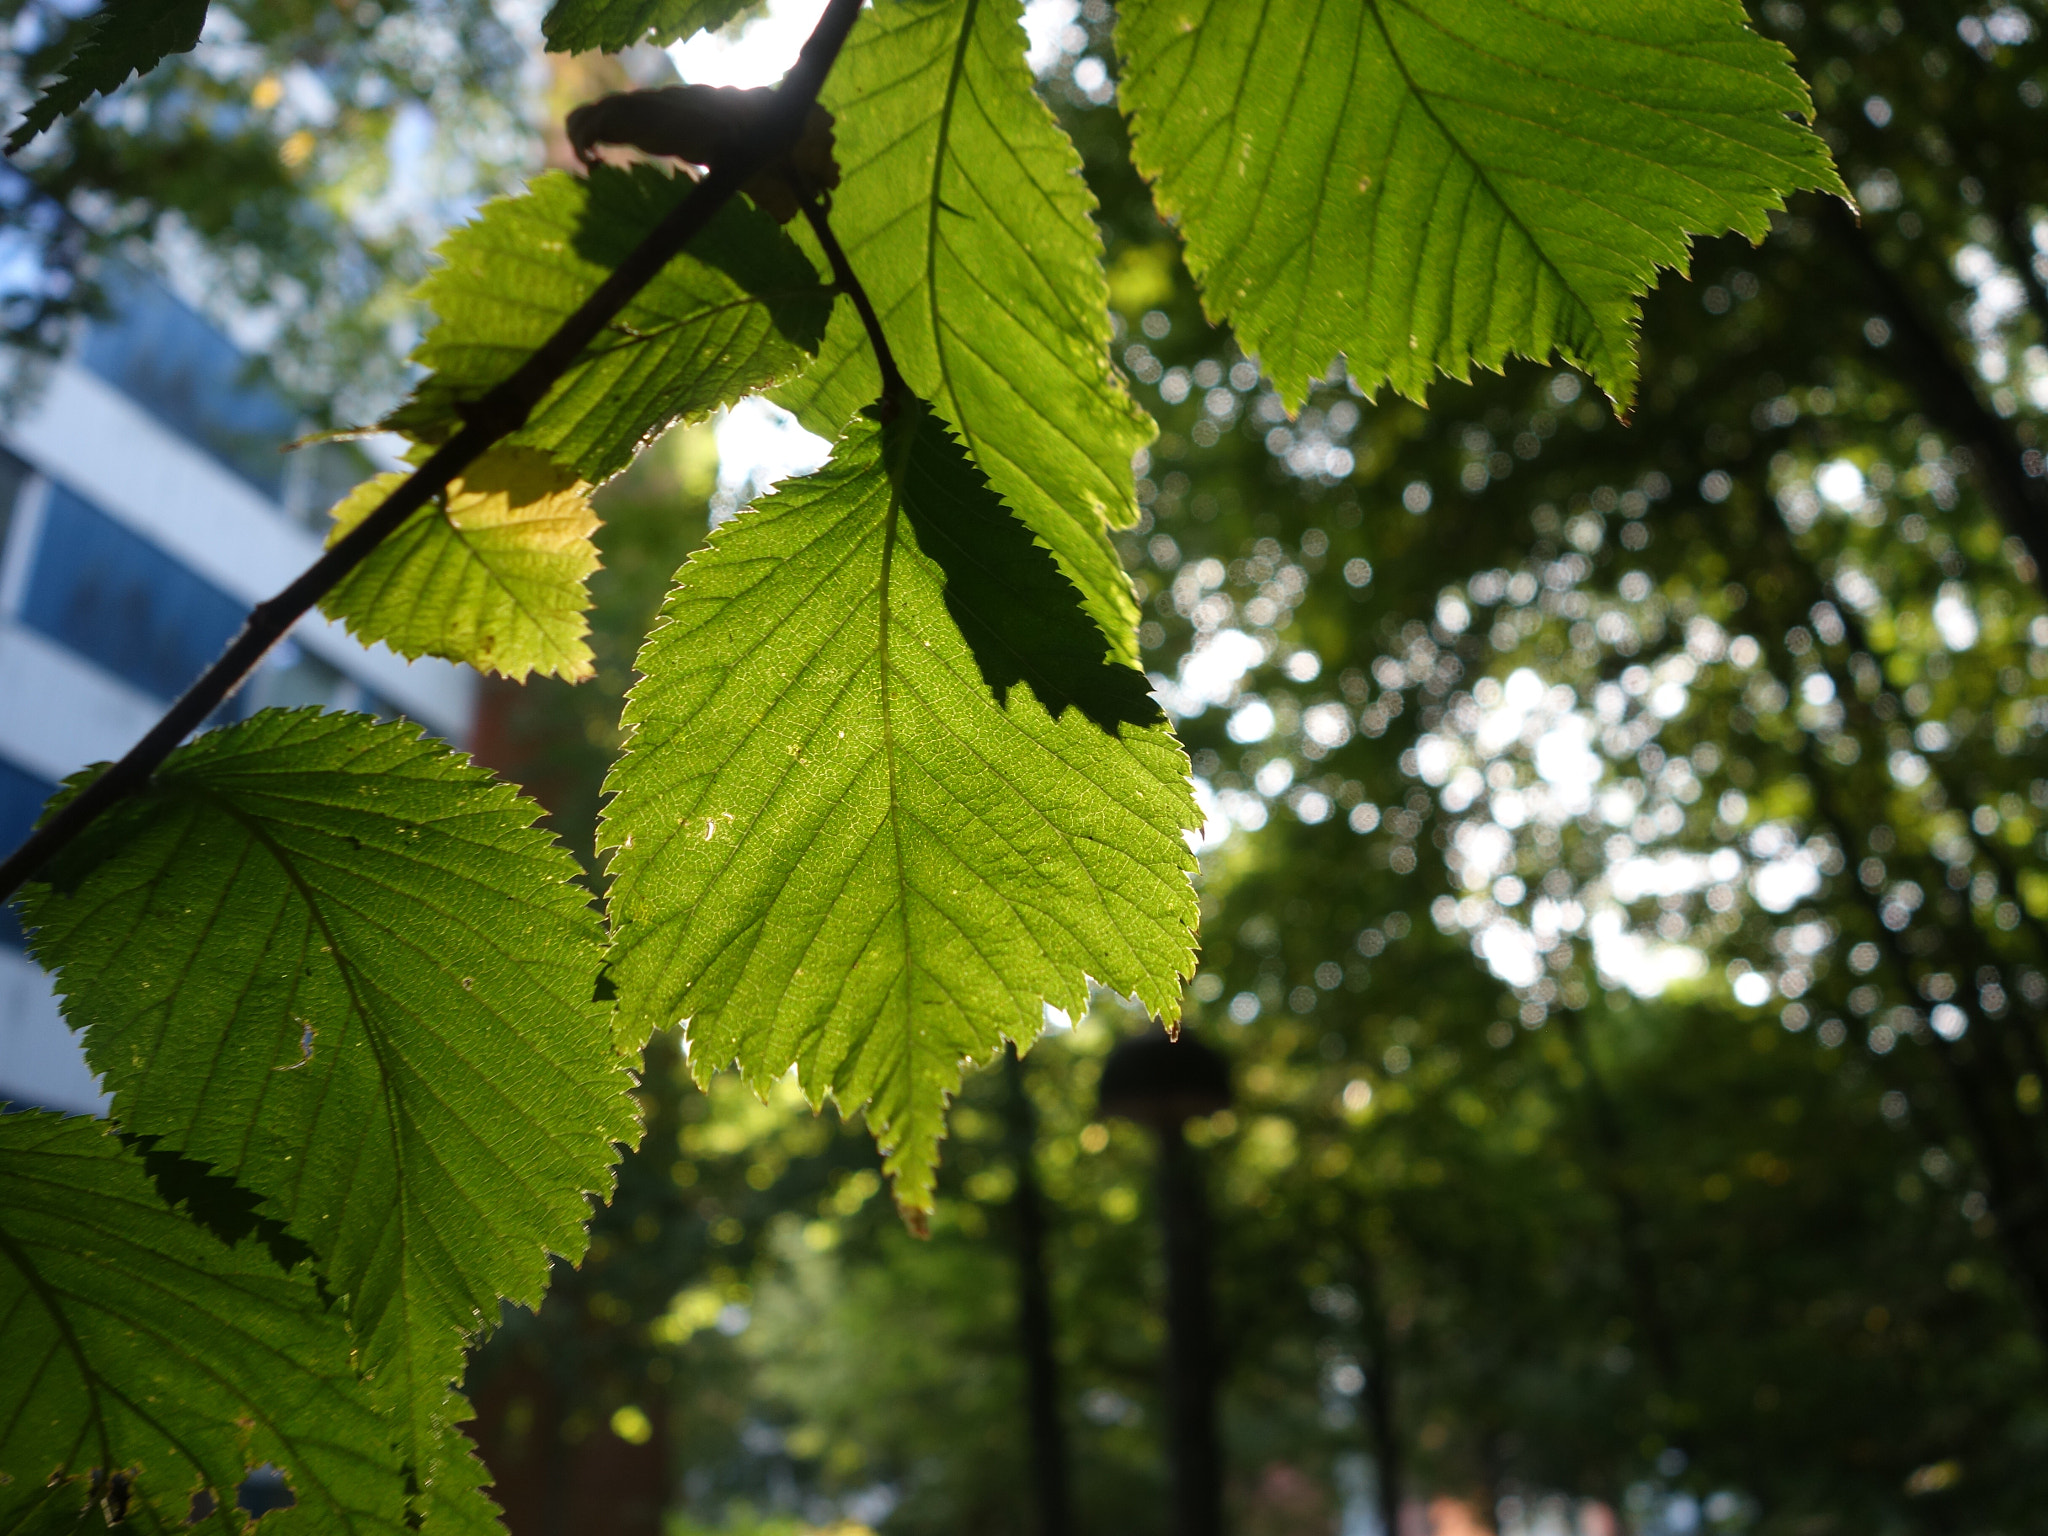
{"type": "Point", "coordinates": [492, 574]}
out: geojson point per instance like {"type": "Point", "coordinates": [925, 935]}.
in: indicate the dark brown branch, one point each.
{"type": "Point", "coordinates": [2011, 1163]}
{"type": "Point", "coordinates": [2015, 1189]}
{"type": "Point", "coordinates": [2019, 230]}
{"type": "Point", "coordinates": [1049, 1461]}
{"type": "Point", "coordinates": [499, 413]}
{"type": "Point", "coordinates": [894, 390]}
{"type": "Point", "coordinates": [1382, 1425]}
{"type": "Point", "coordinates": [1925, 363]}
{"type": "Point", "coordinates": [2025, 1031]}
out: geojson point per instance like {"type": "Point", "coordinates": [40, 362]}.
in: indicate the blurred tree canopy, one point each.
{"type": "Point", "coordinates": [289, 174]}
{"type": "Point", "coordinates": [1622, 905]}
{"type": "Point", "coordinates": [1622, 909]}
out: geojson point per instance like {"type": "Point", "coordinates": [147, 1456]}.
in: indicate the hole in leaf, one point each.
{"type": "Point", "coordinates": [263, 1490]}
{"type": "Point", "coordinates": [113, 1494]}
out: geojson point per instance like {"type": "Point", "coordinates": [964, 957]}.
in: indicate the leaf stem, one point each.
{"type": "Point", "coordinates": [895, 392]}
{"type": "Point", "coordinates": [499, 413]}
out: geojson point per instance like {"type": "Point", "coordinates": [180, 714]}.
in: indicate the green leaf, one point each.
{"type": "Point", "coordinates": [962, 209]}
{"type": "Point", "coordinates": [339, 964]}
{"type": "Point", "coordinates": [612, 26]}
{"type": "Point", "coordinates": [138, 1343]}
{"type": "Point", "coordinates": [741, 310]}
{"type": "Point", "coordinates": [125, 37]}
{"type": "Point", "coordinates": [213, 1201]}
{"type": "Point", "coordinates": [848, 832]}
{"type": "Point", "coordinates": [1423, 187]}
{"type": "Point", "coordinates": [493, 573]}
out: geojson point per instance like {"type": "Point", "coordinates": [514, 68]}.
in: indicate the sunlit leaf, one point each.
{"type": "Point", "coordinates": [578, 26]}
{"type": "Point", "coordinates": [885, 796]}
{"type": "Point", "coordinates": [125, 37]}
{"type": "Point", "coordinates": [137, 1343]}
{"type": "Point", "coordinates": [492, 573]}
{"type": "Point", "coordinates": [743, 309]}
{"type": "Point", "coordinates": [337, 962]}
{"type": "Point", "coordinates": [962, 209]}
{"type": "Point", "coordinates": [1418, 188]}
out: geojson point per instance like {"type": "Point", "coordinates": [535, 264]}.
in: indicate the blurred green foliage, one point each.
{"type": "Point", "coordinates": [1623, 914]}
{"type": "Point", "coordinates": [291, 173]}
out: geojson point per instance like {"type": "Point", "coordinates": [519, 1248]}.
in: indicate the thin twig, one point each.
{"type": "Point", "coordinates": [499, 413]}
{"type": "Point", "coordinates": [894, 390]}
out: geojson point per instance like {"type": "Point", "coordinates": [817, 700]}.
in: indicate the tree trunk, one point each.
{"type": "Point", "coordinates": [1190, 1355]}
{"type": "Point", "coordinates": [1034, 1319]}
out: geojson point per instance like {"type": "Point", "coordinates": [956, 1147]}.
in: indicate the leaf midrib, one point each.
{"type": "Point", "coordinates": [345, 968]}
{"type": "Point", "coordinates": [508, 589]}
{"type": "Point", "coordinates": [934, 205]}
{"type": "Point", "coordinates": [892, 521]}
{"type": "Point", "coordinates": [1479, 172]}
{"type": "Point", "coordinates": [940, 331]}
{"type": "Point", "coordinates": [52, 1305]}
{"type": "Point", "coordinates": [407, 1355]}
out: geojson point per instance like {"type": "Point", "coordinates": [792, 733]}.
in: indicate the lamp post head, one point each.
{"type": "Point", "coordinates": [1160, 1081]}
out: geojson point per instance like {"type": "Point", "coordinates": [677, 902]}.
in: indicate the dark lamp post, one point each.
{"type": "Point", "coordinates": [1163, 1083]}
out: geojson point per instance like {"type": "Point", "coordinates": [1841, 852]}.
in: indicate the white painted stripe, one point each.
{"type": "Point", "coordinates": [59, 712]}
{"type": "Point", "coordinates": [41, 1060]}
{"type": "Point", "coordinates": [87, 434]}
{"type": "Point", "coordinates": [24, 531]}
